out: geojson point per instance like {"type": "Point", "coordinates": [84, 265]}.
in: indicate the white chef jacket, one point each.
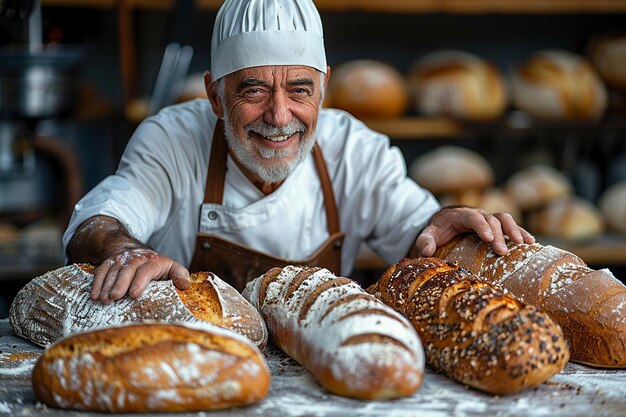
{"type": "Point", "coordinates": [157, 192]}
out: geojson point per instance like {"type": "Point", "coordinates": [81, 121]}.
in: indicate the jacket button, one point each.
{"type": "Point", "coordinates": [212, 215]}
{"type": "Point", "coordinates": [206, 246]}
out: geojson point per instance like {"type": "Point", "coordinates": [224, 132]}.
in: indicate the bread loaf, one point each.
{"type": "Point", "coordinates": [612, 203]}
{"type": "Point", "coordinates": [353, 344]}
{"type": "Point", "coordinates": [573, 218]}
{"type": "Point", "coordinates": [556, 84]}
{"type": "Point", "coordinates": [457, 84]}
{"type": "Point", "coordinates": [368, 89]}
{"type": "Point", "coordinates": [151, 367]}
{"type": "Point", "coordinates": [452, 170]}
{"type": "Point", "coordinates": [57, 304]}
{"type": "Point", "coordinates": [589, 305]}
{"type": "Point", "coordinates": [537, 186]}
{"type": "Point", "coordinates": [608, 53]}
{"type": "Point", "coordinates": [473, 331]}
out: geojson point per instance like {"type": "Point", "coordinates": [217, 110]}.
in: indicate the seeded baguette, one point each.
{"type": "Point", "coordinates": [473, 331]}
{"type": "Point", "coordinates": [590, 305]}
{"type": "Point", "coordinates": [151, 367]}
{"type": "Point", "coordinates": [352, 344]}
{"type": "Point", "coordinates": [57, 304]}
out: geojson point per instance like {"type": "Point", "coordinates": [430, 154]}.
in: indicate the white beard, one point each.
{"type": "Point", "coordinates": [266, 163]}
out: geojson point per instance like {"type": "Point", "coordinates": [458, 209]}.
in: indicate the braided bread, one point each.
{"type": "Point", "coordinates": [57, 304]}
{"type": "Point", "coordinates": [473, 331]}
{"type": "Point", "coordinates": [589, 305]}
{"type": "Point", "coordinates": [353, 344]}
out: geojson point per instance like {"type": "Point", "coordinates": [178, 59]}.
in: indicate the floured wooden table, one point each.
{"type": "Point", "coordinates": [577, 391]}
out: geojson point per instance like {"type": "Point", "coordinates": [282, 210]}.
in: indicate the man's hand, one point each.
{"type": "Point", "coordinates": [452, 221]}
{"type": "Point", "coordinates": [129, 272]}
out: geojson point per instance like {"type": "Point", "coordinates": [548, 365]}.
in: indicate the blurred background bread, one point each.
{"type": "Point", "coordinates": [607, 51]}
{"type": "Point", "coordinates": [457, 84]}
{"type": "Point", "coordinates": [537, 186]}
{"type": "Point", "coordinates": [573, 218]}
{"type": "Point", "coordinates": [557, 84]}
{"type": "Point", "coordinates": [612, 203]}
{"type": "Point", "coordinates": [452, 170]}
{"type": "Point", "coordinates": [367, 89]}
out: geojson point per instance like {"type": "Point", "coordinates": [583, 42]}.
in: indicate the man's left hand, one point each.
{"type": "Point", "coordinates": [452, 221]}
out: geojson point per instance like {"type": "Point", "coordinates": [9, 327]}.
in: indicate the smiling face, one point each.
{"type": "Point", "coordinates": [270, 114]}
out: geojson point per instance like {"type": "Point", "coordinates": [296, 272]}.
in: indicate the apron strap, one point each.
{"type": "Point", "coordinates": [216, 177]}
{"type": "Point", "coordinates": [332, 217]}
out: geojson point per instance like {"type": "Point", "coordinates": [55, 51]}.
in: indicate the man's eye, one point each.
{"type": "Point", "coordinates": [301, 91]}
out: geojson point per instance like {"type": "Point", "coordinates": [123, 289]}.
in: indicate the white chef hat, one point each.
{"type": "Point", "coordinates": [252, 33]}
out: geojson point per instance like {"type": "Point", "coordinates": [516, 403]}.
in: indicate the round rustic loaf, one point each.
{"type": "Point", "coordinates": [151, 367]}
{"type": "Point", "coordinates": [612, 203]}
{"type": "Point", "coordinates": [556, 84]}
{"type": "Point", "coordinates": [457, 84]}
{"type": "Point", "coordinates": [451, 170]}
{"type": "Point", "coordinates": [608, 54]}
{"type": "Point", "coordinates": [368, 89]}
{"type": "Point", "coordinates": [573, 218]}
{"type": "Point", "coordinates": [537, 186]}
{"type": "Point", "coordinates": [57, 304]}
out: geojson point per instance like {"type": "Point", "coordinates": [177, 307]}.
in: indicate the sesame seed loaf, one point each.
{"type": "Point", "coordinates": [352, 344]}
{"type": "Point", "coordinates": [589, 305]}
{"type": "Point", "coordinates": [151, 367]}
{"type": "Point", "coordinates": [473, 331]}
{"type": "Point", "coordinates": [57, 304]}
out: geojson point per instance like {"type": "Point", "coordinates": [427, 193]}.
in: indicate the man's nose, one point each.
{"type": "Point", "coordinates": [278, 112]}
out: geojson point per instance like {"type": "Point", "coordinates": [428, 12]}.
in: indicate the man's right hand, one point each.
{"type": "Point", "coordinates": [130, 271]}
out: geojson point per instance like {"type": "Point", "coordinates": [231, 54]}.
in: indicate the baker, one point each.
{"type": "Point", "coordinates": [259, 175]}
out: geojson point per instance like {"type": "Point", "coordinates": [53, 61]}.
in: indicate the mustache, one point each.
{"type": "Point", "coordinates": [263, 128]}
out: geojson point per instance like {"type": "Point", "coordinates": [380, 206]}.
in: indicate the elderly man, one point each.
{"type": "Point", "coordinates": [259, 175]}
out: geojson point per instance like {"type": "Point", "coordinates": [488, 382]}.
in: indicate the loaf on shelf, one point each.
{"type": "Point", "coordinates": [452, 170]}
{"type": "Point", "coordinates": [473, 331]}
{"type": "Point", "coordinates": [612, 203]}
{"type": "Point", "coordinates": [57, 304]}
{"type": "Point", "coordinates": [589, 305]}
{"type": "Point", "coordinates": [560, 85]}
{"type": "Point", "coordinates": [368, 89]}
{"type": "Point", "coordinates": [537, 186]}
{"type": "Point", "coordinates": [573, 218]}
{"type": "Point", "coordinates": [353, 344]}
{"type": "Point", "coordinates": [457, 84]}
{"type": "Point", "coordinates": [151, 367]}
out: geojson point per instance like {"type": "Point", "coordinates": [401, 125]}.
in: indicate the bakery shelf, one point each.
{"type": "Point", "coordinates": [393, 6]}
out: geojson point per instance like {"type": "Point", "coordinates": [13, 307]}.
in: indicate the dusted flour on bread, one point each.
{"type": "Point", "coordinates": [352, 344]}
{"type": "Point", "coordinates": [57, 304]}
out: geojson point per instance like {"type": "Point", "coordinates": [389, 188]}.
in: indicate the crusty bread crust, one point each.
{"type": "Point", "coordinates": [57, 304]}
{"type": "Point", "coordinates": [352, 344]}
{"type": "Point", "coordinates": [589, 305]}
{"type": "Point", "coordinates": [151, 367]}
{"type": "Point", "coordinates": [473, 331]}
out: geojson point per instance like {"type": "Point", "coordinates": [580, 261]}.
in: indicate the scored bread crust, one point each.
{"type": "Point", "coordinates": [57, 304]}
{"type": "Point", "coordinates": [473, 331]}
{"type": "Point", "coordinates": [151, 367]}
{"type": "Point", "coordinates": [589, 305]}
{"type": "Point", "coordinates": [352, 344]}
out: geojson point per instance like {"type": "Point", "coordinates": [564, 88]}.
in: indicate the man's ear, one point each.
{"type": "Point", "coordinates": [212, 94]}
{"type": "Point", "coordinates": [326, 78]}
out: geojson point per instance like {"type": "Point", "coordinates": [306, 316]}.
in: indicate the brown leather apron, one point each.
{"type": "Point", "coordinates": [237, 264]}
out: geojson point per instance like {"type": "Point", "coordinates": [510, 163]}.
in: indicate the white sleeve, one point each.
{"type": "Point", "coordinates": [140, 195]}
{"type": "Point", "coordinates": [388, 208]}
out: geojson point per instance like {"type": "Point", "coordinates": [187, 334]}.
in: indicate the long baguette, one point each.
{"type": "Point", "coordinates": [353, 344]}
{"type": "Point", "coordinates": [151, 367]}
{"type": "Point", "coordinates": [589, 305]}
{"type": "Point", "coordinates": [57, 304]}
{"type": "Point", "coordinates": [473, 331]}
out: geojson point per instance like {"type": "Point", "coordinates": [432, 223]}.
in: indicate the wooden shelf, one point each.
{"type": "Point", "coordinates": [395, 6]}
{"type": "Point", "coordinates": [409, 128]}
